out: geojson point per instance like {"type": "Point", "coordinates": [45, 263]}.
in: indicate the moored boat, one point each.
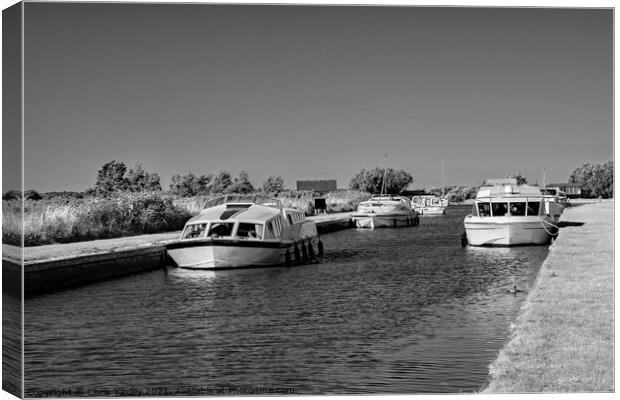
{"type": "Point", "coordinates": [236, 231]}
{"type": "Point", "coordinates": [507, 214]}
{"type": "Point", "coordinates": [555, 202]}
{"type": "Point", "coordinates": [384, 211]}
{"type": "Point", "coordinates": [429, 205]}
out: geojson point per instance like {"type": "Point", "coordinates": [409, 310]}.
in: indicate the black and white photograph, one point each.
{"type": "Point", "coordinates": [250, 199]}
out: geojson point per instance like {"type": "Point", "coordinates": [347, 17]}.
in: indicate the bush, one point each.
{"type": "Point", "coordinates": [12, 195]}
{"type": "Point", "coordinates": [273, 185]}
{"type": "Point", "coordinates": [32, 195]}
{"type": "Point", "coordinates": [455, 193]}
{"type": "Point", "coordinates": [596, 180]}
{"type": "Point", "coordinates": [113, 177]}
{"type": "Point", "coordinates": [371, 181]}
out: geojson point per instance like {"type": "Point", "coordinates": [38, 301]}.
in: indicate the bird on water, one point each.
{"type": "Point", "coordinates": [514, 290]}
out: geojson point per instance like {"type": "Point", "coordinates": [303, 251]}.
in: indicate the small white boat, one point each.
{"type": "Point", "coordinates": [507, 214]}
{"type": "Point", "coordinates": [385, 211]}
{"type": "Point", "coordinates": [555, 202]}
{"type": "Point", "coordinates": [236, 231]}
{"type": "Point", "coordinates": [429, 205]}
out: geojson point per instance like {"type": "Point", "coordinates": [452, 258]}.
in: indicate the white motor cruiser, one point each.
{"type": "Point", "coordinates": [385, 211]}
{"type": "Point", "coordinates": [236, 231]}
{"type": "Point", "coordinates": [429, 205]}
{"type": "Point", "coordinates": [507, 214]}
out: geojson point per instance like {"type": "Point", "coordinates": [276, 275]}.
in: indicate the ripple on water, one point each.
{"type": "Point", "coordinates": [388, 311]}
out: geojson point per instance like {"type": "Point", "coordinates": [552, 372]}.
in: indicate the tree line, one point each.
{"type": "Point", "coordinates": [113, 176]}
{"type": "Point", "coordinates": [596, 180]}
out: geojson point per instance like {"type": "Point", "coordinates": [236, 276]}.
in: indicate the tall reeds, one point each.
{"type": "Point", "coordinates": [62, 221]}
{"type": "Point", "coordinates": [345, 200]}
{"type": "Point", "coordinates": [65, 220]}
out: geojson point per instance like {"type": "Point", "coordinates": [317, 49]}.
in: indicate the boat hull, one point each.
{"type": "Point", "coordinates": [439, 210]}
{"type": "Point", "coordinates": [553, 208]}
{"type": "Point", "coordinates": [373, 221]}
{"type": "Point", "coordinates": [231, 254]}
{"type": "Point", "coordinates": [508, 231]}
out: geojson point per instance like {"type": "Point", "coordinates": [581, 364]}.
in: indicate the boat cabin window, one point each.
{"type": "Point", "coordinates": [533, 208]}
{"type": "Point", "coordinates": [499, 209]}
{"type": "Point", "coordinates": [275, 228]}
{"type": "Point", "coordinates": [294, 217]}
{"type": "Point", "coordinates": [484, 209]}
{"type": "Point", "coordinates": [252, 231]}
{"type": "Point", "coordinates": [517, 208]}
{"type": "Point", "coordinates": [279, 225]}
{"type": "Point", "coordinates": [194, 231]}
{"type": "Point", "coordinates": [270, 231]}
{"type": "Point", "coordinates": [221, 229]}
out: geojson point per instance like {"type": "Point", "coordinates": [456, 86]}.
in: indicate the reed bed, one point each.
{"type": "Point", "coordinates": [300, 200]}
{"type": "Point", "coordinates": [192, 205]}
{"type": "Point", "coordinates": [11, 222]}
{"type": "Point", "coordinates": [336, 202]}
{"type": "Point", "coordinates": [345, 201]}
{"type": "Point", "coordinates": [63, 220]}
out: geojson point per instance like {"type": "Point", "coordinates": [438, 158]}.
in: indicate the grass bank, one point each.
{"type": "Point", "coordinates": [128, 214]}
{"type": "Point", "coordinates": [563, 340]}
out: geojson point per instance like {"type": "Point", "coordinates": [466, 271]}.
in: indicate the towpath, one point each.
{"type": "Point", "coordinates": [563, 341]}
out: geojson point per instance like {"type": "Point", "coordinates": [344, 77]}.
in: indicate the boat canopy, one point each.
{"type": "Point", "coordinates": [508, 190]}
{"type": "Point", "coordinates": [252, 213]}
{"type": "Point", "coordinates": [243, 199]}
{"type": "Point", "coordinates": [387, 197]}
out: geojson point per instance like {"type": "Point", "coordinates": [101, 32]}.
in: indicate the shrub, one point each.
{"type": "Point", "coordinates": [12, 195]}
{"type": "Point", "coordinates": [372, 180]}
{"type": "Point", "coordinates": [191, 185]}
{"type": "Point", "coordinates": [595, 179]}
{"type": "Point", "coordinates": [32, 195]}
{"type": "Point", "coordinates": [273, 185]}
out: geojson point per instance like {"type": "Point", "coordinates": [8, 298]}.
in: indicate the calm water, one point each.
{"type": "Point", "coordinates": [388, 311]}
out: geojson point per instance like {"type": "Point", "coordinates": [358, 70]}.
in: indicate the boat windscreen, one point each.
{"type": "Point", "coordinates": [221, 229]}
{"type": "Point", "coordinates": [194, 231]}
{"type": "Point", "coordinates": [499, 209]}
{"type": "Point", "coordinates": [484, 209]}
{"type": "Point", "coordinates": [252, 231]}
{"type": "Point", "coordinates": [533, 208]}
{"type": "Point", "coordinates": [517, 208]}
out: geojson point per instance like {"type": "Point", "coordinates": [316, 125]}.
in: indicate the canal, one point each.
{"type": "Point", "coordinates": [404, 310]}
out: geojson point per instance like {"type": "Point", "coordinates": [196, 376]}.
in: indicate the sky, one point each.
{"type": "Point", "coordinates": [314, 92]}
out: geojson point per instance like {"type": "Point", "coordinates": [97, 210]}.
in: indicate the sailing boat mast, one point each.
{"type": "Point", "coordinates": [384, 176]}
{"type": "Point", "coordinates": [443, 180]}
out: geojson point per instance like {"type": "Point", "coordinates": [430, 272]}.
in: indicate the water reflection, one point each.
{"type": "Point", "coordinates": [388, 311]}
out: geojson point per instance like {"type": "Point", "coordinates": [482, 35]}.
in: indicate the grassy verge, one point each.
{"type": "Point", "coordinates": [128, 214]}
{"type": "Point", "coordinates": [563, 341]}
